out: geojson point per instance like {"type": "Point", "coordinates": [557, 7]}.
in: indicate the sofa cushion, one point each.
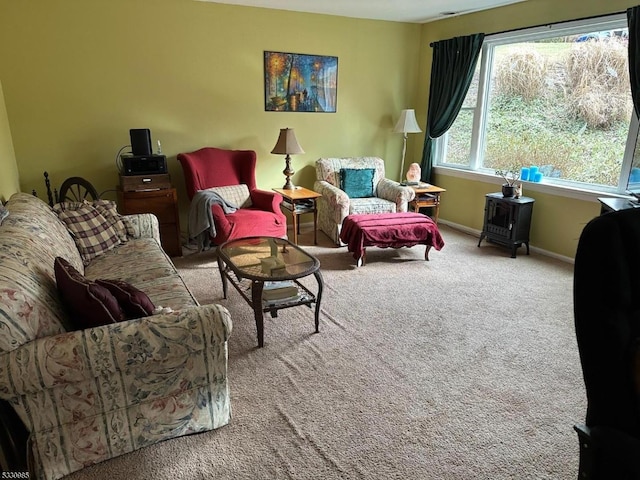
{"type": "Point", "coordinates": [31, 237]}
{"type": "Point", "coordinates": [134, 302]}
{"type": "Point", "coordinates": [357, 182]}
{"type": "Point", "coordinates": [36, 218]}
{"type": "Point", "coordinates": [141, 263]}
{"type": "Point", "coordinates": [91, 231]}
{"type": "Point", "coordinates": [90, 304]}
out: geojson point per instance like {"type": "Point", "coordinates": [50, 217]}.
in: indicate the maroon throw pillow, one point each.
{"type": "Point", "coordinates": [134, 302]}
{"type": "Point", "coordinates": [90, 304]}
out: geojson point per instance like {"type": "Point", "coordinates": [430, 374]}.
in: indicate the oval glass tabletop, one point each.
{"type": "Point", "coordinates": [267, 258]}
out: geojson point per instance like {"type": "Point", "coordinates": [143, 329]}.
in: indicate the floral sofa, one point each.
{"type": "Point", "coordinates": [335, 204]}
{"type": "Point", "coordinates": [92, 394]}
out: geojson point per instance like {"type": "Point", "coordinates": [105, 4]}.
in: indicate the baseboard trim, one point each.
{"type": "Point", "coordinates": [476, 233]}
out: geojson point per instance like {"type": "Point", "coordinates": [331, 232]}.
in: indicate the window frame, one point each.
{"type": "Point", "coordinates": [480, 111]}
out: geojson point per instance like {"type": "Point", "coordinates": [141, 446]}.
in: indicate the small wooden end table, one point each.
{"type": "Point", "coordinates": [298, 201]}
{"type": "Point", "coordinates": [427, 195]}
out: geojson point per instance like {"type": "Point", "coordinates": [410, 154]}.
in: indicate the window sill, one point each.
{"type": "Point", "coordinates": [542, 187]}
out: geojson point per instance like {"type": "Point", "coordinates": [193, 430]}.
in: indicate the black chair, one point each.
{"type": "Point", "coordinates": [13, 440]}
{"type": "Point", "coordinates": [606, 294]}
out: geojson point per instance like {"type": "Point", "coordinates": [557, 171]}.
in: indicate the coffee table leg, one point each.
{"type": "Point", "coordinates": [221, 267]}
{"type": "Point", "coordinates": [256, 300]}
{"type": "Point", "coordinates": [315, 222]}
{"type": "Point", "coordinates": [320, 281]}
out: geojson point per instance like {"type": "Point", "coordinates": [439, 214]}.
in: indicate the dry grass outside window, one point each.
{"type": "Point", "coordinates": [522, 73]}
{"type": "Point", "coordinates": [598, 82]}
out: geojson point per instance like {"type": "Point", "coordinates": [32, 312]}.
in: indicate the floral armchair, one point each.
{"type": "Point", "coordinates": [355, 185]}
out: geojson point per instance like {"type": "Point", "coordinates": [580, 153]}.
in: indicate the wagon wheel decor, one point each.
{"type": "Point", "coordinates": [77, 189]}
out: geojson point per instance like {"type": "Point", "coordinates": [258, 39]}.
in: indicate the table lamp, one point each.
{"type": "Point", "coordinates": [287, 144]}
{"type": "Point", "coordinates": [406, 124]}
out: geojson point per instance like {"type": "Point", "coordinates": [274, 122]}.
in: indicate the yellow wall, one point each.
{"type": "Point", "coordinates": [557, 221]}
{"type": "Point", "coordinates": [78, 75]}
{"type": "Point", "coordinates": [9, 181]}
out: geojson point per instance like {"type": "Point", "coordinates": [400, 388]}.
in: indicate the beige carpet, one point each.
{"type": "Point", "coordinates": [462, 367]}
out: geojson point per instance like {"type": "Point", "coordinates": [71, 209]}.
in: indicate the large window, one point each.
{"type": "Point", "coordinates": [557, 97]}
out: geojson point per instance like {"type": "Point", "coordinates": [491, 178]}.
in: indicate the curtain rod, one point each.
{"type": "Point", "coordinates": [547, 24]}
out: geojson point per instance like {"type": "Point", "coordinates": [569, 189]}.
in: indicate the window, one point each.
{"type": "Point", "coordinates": [557, 97]}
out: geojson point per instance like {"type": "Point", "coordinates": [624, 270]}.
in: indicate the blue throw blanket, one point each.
{"type": "Point", "coordinates": [201, 225]}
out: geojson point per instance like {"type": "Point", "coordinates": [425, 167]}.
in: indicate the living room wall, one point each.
{"type": "Point", "coordinates": [78, 75]}
{"type": "Point", "coordinates": [9, 183]}
{"type": "Point", "coordinates": [557, 219]}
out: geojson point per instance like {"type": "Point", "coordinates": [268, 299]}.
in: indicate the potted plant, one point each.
{"type": "Point", "coordinates": [511, 176]}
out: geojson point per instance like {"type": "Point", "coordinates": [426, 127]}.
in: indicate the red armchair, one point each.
{"type": "Point", "coordinates": [258, 215]}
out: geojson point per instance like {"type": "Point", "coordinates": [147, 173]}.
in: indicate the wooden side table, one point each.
{"type": "Point", "coordinates": [298, 201]}
{"type": "Point", "coordinates": [163, 203]}
{"type": "Point", "coordinates": [427, 195]}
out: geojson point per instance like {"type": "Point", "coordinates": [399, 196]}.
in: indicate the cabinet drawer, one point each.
{"type": "Point", "coordinates": [164, 205]}
{"type": "Point", "coordinates": [161, 203]}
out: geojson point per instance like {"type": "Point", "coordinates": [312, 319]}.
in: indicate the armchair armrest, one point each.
{"type": "Point", "coordinates": [394, 192]}
{"type": "Point", "coordinates": [222, 224]}
{"type": "Point", "coordinates": [338, 199]}
{"type": "Point", "coordinates": [265, 200]}
{"type": "Point", "coordinates": [142, 225]}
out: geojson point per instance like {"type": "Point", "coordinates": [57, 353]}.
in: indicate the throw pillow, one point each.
{"type": "Point", "coordinates": [134, 302]}
{"type": "Point", "coordinates": [357, 182]}
{"type": "Point", "coordinates": [90, 230]}
{"type": "Point", "coordinates": [109, 211]}
{"type": "Point", "coordinates": [237, 195]}
{"type": "Point", "coordinates": [90, 304]}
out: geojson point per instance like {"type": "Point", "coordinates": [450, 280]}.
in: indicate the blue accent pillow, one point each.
{"type": "Point", "coordinates": [357, 182]}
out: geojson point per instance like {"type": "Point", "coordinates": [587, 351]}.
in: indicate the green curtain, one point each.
{"type": "Point", "coordinates": [454, 62]}
{"type": "Point", "coordinates": [633, 20]}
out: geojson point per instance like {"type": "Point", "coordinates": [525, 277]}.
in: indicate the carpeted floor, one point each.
{"type": "Point", "coordinates": [462, 367]}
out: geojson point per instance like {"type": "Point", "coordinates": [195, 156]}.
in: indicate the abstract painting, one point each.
{"type": "Point", "coordinates": [295, 82]}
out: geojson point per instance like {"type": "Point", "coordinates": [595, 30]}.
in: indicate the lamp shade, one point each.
{"type": "Point", "coordinates": [287, 143]}
{"type": "Point", "coordinates": [407, 122]}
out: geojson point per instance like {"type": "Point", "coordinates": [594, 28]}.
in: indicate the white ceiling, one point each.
{"type": "Point", "coordinates": [413, 11]}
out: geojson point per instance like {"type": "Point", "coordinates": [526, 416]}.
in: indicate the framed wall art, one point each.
{"type": "Point", "coordinates": [295, 82]}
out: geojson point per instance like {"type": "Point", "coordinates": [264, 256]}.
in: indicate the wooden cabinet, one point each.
{"type": "Point", "coordinates": [164, 205]}
{"type": "Point", "coordinates": [507, 221]}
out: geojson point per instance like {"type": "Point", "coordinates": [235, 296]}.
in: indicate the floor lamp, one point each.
{"type": "Point", "coordinates": [406, 124]}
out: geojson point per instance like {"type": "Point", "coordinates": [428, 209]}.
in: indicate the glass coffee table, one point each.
{"type": "Point", "coordinates": [251, 263]}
